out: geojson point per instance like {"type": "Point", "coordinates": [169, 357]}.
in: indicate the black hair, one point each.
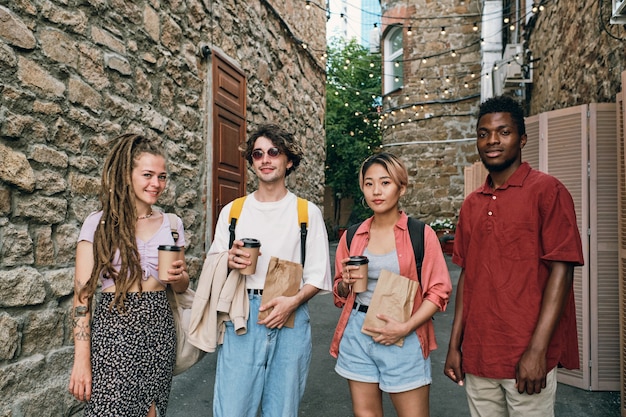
{"type": "Point", "coordinates": [504, 104]}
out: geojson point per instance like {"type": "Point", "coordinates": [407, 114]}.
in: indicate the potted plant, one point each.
{"type": "Point", "coordinates": [443, 226]}
{"type": "Point", "coordinates": [445, 232]}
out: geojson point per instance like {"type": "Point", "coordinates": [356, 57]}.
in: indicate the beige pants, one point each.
{"type": "Point", "coordinates": [489, 397]}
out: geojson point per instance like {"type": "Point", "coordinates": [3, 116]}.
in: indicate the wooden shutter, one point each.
{"type": "Point", "coordinates": [577, 146]}
{"type": "Point", "coordinates": [621, 206]}
{"type": "Point", "coordinates": [475, 176]}
{"type": "Point", "coordinates": [603, 258]}
{"type": "Point", "coordinates": [530, 153]}
{"type": "Point", "coordinates": [565, 157]}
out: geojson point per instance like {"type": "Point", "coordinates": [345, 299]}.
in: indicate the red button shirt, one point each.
{"type": "Point", "coordinates": [505, 240]}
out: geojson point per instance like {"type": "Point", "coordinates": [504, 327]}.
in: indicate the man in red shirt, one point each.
{"type": "Point", "coordinates": [517, 242]}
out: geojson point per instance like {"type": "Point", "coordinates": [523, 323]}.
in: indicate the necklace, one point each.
{"type": "Point", "coordinates": [147, 216]}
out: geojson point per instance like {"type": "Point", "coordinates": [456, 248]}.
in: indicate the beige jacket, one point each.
{"type": "Point", "coordinates": [220, 297]}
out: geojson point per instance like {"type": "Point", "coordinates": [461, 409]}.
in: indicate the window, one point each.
{"type": "Point", "coordinates": [393, 60]}
{"type": "Point", "coordinates": [618, 15]}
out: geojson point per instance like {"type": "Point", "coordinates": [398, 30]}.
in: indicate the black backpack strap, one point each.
{"type": "Point", "coordinates": [350, 234]}
{"type": "Point", "coordinates": [303, 220]}
{"type": "Point", "coordinates": [303, 233]}
{"type": "Point", "coordinates": [416, 232]}
{"type": "Point", "coordinates": [231, 231]}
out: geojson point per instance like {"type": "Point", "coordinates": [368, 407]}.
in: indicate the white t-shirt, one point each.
{"type": "Point", "coordinates": [275, 225]}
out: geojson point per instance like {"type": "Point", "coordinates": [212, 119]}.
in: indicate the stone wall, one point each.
{"type": "Point", "coordinates": [76, 73]}
{"type": "Point", "coordinates": [430, 122]}
{"type": "Point", "coordinates": [575, 63]}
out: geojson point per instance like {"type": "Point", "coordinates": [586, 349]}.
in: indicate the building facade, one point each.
{"type": "Point", "coordinates": [431, 55]}
{"type": "Point", "coordinates": [196, 74]}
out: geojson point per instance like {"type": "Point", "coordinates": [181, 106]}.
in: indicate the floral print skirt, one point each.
{"type": "Point", "coordinates": [132, 356]}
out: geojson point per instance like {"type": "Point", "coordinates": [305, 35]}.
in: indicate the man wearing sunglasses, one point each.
{"type": "Point", "coordinates": [267, 367]}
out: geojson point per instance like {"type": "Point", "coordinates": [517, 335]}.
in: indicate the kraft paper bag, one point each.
{"type": "Point", "coordinates": [283, 279]}
{"type": "Point", "coordinates": [393, 296]}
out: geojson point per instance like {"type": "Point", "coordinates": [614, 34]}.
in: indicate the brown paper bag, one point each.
{"type": "Point", "coordinates": [283, 279]}
{"type": "Point", "coordinates": [393, 296]}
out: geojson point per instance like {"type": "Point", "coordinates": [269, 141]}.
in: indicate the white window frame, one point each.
{"type": "Point", "coordinates": [391, 58]}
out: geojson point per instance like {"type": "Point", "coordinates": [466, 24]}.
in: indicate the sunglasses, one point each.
{"type": "Point", "coordinates": [271, 152]}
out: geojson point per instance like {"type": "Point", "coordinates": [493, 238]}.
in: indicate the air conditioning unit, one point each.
{"type": "Point", "coordinates": [513, 57]}
{"type": "Point", "coordinates": [499, 78]}
{"type": "Point", "coordinates": [510, 72]}
{"type": "Point", "coordinates": [618, 14]}
{"type": "Point", "coordinates": [515, 71]}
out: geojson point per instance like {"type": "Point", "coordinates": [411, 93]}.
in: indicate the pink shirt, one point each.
{"type": "Point", "coordinates": [436, 285]}
{"type": "Point", "coordinates": [505, 240]}
{"type": "Point", "coordinates": [148, 251]}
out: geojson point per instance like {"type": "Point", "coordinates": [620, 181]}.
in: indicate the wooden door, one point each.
{"type": "Point", "coordinates": [229, 131]}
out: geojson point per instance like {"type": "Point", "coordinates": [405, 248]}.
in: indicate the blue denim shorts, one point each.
{"type": "Point", "coordinates": [395, 369]}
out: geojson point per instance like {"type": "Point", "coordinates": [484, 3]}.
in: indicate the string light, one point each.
{"type": "Point", "coordinates": [384, 116]}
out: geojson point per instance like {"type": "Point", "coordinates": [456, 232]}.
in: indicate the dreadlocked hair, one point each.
{"type": "Point", "coordinates": [116, 231]}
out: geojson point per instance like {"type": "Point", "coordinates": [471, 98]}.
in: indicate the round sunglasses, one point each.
{"type": "Point", "coordinates": [271, 152]}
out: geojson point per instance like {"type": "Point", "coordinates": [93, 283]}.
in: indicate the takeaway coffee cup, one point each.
{"type": "Point", "coordinates": [360, 285]}
{"type": "Point", "coordinates": [167, 255]}
{"type": "Point", "coordinates": [250, 246]}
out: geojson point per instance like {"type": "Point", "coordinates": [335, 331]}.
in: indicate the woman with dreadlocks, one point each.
{"type": "Point", "coordinates": [123, 360]}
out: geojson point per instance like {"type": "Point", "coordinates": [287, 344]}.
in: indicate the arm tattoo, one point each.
{"type": "Point", "coordinates": [80, 311]}
{"type": "Point", "coordinates": [81, 330]}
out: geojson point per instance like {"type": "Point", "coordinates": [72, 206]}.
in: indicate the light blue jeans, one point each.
{"type": "Point", "coordinates": [266, 367]}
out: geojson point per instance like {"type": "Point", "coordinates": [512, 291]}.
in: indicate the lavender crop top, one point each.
{"type": "Point", "coordinates": [148, 251]}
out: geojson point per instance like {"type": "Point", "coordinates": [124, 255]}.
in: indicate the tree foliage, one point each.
{"type": "Point", "coordinates": [353, 89]}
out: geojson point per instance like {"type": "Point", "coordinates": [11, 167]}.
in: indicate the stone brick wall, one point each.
{"type": "Point", "coordinates": [434, 134]}
{"type": "Point", "coordinates": [76, 73]}
{"type": "Point", "coordinates": [577, 63]}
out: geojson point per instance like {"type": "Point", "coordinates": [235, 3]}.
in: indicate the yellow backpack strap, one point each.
{"type": "Point", "coordinates": [303, 220]}
{"type": "Point", "coordinates": [235, 211]}
{"type": "Point", "coordinates": [173, 226]}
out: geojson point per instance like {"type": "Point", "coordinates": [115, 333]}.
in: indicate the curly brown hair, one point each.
{"type": "Point", "coordinates": [116, 231]}
{"type": "Point", "coordinates": [283, 140]}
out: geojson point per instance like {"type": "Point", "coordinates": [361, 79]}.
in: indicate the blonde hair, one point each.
{"type": "Point", "coordinates": [392, 164]}
{"type": "Point", "coordinates": [116, 231]}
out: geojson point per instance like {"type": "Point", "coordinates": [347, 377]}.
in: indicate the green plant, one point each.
{"type": "Point", "coordinates": [353, 85]}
